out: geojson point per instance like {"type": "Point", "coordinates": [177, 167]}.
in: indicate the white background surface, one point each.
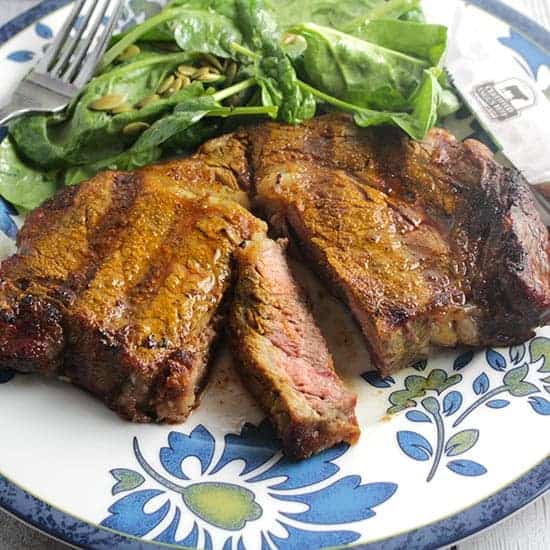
{"type": "Point", "coordinates": [528, 530]}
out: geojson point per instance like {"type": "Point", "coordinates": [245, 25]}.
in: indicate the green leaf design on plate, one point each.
{"type": "Point", "coordinates": [515, 376]}
{"type": "Point", "coordinates": [514, 381]}
{"type": "Point", "coordinates": [431, 404]}
{"type": "Point", "coordinates": [523, 389]}
{"type": "Point", "coordinates": [224, 505]}
{"type": "Point", "coordinates": [461, 442]}
{"type": "Point", "coordinates": [416, 386]}
{"type": "Point", "coordinates": [540, 347]}
{"type": "Point", "coordinates": [127, 480]}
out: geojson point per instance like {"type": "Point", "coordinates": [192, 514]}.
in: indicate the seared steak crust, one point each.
{"type": "Point", "coordinates": [283, 357]}
{"type": "Point", "coordinates": [118, 285]}
{"type": "Point", "coordinates": [121, 284]}
{"type": "Point", "coordinates": [430, 244]}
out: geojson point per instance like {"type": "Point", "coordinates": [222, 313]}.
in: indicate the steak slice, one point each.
{"type": "Point", "coordinates": [429, 243]}
{"type": "Point", "coordinates": [284, 359]}
{"type": "Point", "coordinates": [119, 285]}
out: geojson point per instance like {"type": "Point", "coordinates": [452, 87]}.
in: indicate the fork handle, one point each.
{"type": "Point", "coordinates": [12, 110]}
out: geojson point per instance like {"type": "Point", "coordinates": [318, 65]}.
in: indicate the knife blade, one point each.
{"type": "Point", "coordinates": [503, 94]}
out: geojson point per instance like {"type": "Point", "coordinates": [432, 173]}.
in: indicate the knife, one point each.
{"type": "Point", "coordinates": [503, 95]}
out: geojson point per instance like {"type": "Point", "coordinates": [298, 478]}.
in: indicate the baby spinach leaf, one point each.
{"type": "Point", "coordinates": [259, 28]}
{"type": "Point", "coordinates": [279, 87]}
{"type": "Point", "coordinates": [424, 105]}
{"type": "Point", "coordinates": [272, 68]}
{"type": "Point", "coordinates": [448, 103]}
{"type": "Point", "coordinates": [422, 40]}
{"type": "Point", "coordinates": [206, 32]}
{"type": "Point", "coordinates": [223, 7]}
{"type": "Point", "coordinates": [185, 115]}
{"type": "Point", "coordinates": [189, 139]}
{"type": "Point", "coordinates": [128, 160]}
{"type": "Point", "coordinates": [337, 15]}
{"type": "Point", "coordinates": [157, 23]}
{"type": "Point", "coordinates": [84, 136]}
{"type": "Point", "coordinates": [357, 71]}
{"type": "Point", "coordinates": [165, 30]}
{"type": "Point", "coordinates": [395, 9]}
{"type": "Point", "coordinates": [23, 186]}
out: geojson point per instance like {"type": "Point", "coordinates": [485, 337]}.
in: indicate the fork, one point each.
{"type": "Point", "coordinates": [69, 63]}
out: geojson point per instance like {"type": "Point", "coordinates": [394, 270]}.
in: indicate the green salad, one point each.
{"type": "Point", "coordinates": [202, 67]}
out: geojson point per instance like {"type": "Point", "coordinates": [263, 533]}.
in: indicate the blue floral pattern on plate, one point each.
{"type": "Point", "coordinates": [445, 404]}
{"type": "Point", "coordinates": [229, 512]}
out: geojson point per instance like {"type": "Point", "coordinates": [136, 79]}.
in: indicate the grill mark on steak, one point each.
{"type": "Point", "coordinates": [193, 271]}
{"type": "Point", "coordinates": [155, 275]}
{"type": "Point", "coordinates": [102, 238]}
{"type": "Point", "coordinates": [129, 252]}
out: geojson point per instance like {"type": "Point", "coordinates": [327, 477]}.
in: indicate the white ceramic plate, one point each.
{"type": "Point", "coordinates": [468, 443]}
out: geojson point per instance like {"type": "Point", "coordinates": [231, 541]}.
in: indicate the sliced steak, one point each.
{"type": "Point", "coordinates": [119, 285]}
{"type": "Point", "coordinates": [429, 243]}
{"type": "Point", "coordinates": [283, 357]}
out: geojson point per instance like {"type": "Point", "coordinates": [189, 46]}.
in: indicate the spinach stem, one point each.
{"type": "Point", "coordinates": [137, 32]}
{"type": "Point", "coordinates": [270, 110]}
{"type": "Point", "coordinates": [328, 98]}
{"type": "Point", "coordinates": [175, 58]}
{"type": "Point", "coordinates": [243, 50]}
{"type": "Point", "coordinates": [235, 89]}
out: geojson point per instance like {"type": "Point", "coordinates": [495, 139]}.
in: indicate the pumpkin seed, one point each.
{"type": "Point", "coordinates": [175, 87]}
{"type": "Point", "coordinates": [123, 108]}
{"type": "Point", "coordinates": [134, 128]}
{"type": "Point", "coordinates": [234, 101]}
{"type": "Point", "coordinates": [129, 53]}
{"type": "Point", "coordinates": [289, 38]}
{"type": "Point", "coordinates": [107, 102]}
{"type": "Point", "coordinates": [186, 70]}
{"type": "Point", "coordinates": [210, 77]}
{"type": "Point", "coordinates": [213, 61]}
{"type": "Point", "coordinates": [166, 83]}
{"type": "Point", "coordinates": [185, 81]}
{"type": "Point", "coordinates": [166, 46]}
{"type": "Point", "coordinates": [200, 73]}
{"type": "Point", "coordinates": [211, 69]}
{"type": "Point", "coordinates": [231, 72]}
{"type": "Point", "coordinates": [146, 101]}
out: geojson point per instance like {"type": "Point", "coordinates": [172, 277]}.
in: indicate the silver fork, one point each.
{"type": "Point", "coordinates": [69, 63]}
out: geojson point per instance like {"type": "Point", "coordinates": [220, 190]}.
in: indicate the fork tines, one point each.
{"type": "Point", "coordinates": [81, 42]}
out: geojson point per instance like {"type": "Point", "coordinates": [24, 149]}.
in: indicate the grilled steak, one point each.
{"type": "Point", "coordinates": [284, 360]}
{"type": "Point", "coordinates": [118, 285]}
{"type": "Point", "coordinates": [430, 244]}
